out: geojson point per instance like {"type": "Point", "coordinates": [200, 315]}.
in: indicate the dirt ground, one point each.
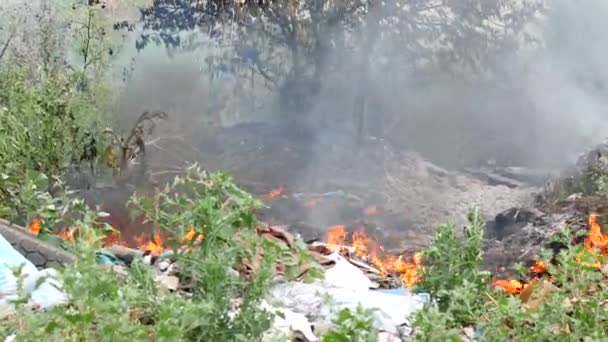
{"type": "Point", "coordinates": [397, 195]}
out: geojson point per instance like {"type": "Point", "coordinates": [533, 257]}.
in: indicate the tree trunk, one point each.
{"type": "Point", "coordinates": [360, 101]}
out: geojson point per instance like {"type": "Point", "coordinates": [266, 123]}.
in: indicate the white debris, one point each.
{"type": "Point", "coordinates": [345, 275]}
{"type": "Point", "coordinates": [286, 323]}
{"type": "Point", "coordinates": [321, 301]}
{"type": "Point", "coordinates": [42, 286]}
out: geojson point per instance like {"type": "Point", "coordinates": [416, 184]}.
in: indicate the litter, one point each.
{"type": "Point", "coordinates": [321, 301]}
{"type": "Point", "coordinates": [42, 286]}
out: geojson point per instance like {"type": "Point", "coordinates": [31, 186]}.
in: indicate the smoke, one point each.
{"type": "Point", "coordinates": [541, 108]}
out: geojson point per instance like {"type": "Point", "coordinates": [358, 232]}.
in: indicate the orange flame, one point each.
{"type": "Point", "coordinates": [35, 226]}
{"type": "Point", "coordinates": [596, 240]}
{"type": "Point", "coordinates": [538, 267]}
{"type": "Point", "coordinates": [114, 239]}
{"type": "Point", "coordinates": [66, 235]}
{"type": "Point", "coordinates": [511, 286]}
{"type": "Point", "coordinates": [336, 236]}
{"type": "Point", "coordinates": [371, 211]}
{"type": "Point", "coordinates": [153, 245]}
{"type": "Point", "coordinates": [367, 248]}
{"type": "Point", "coordinates": [274, 193]}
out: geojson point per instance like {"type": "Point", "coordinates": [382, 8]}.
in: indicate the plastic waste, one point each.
{"type": "Point", "coordinates": [402, 291]}
{"type": "Point", "coordinates": [42, 286]}
{"type": "Point", "coordinates": [321, 301]}
{"type": "Point", "coordinates": [104, 257]}
{"type": "Point", "coordinates": [346, 275]}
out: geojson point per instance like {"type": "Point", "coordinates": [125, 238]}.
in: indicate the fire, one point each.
{"type": "Point", "coordinates": [35, 226]}
{"type": "Point", "coordinates": [274, 193]}
{"type": "Point", "coordinates": [595, 241]}
{"type": "Point", "coordinates": [596, 238]}
{"type": "Point", "coordinates": [336, 236]}
{"type": "Point", "coordinates": [156, 244]}
{"type": "Point", "coordinates": [367, 248]}
{"type": "Point", "coordinates": [511, 286]}
{"type": "Point", "coordinates": [66, 235]}
{"type": "Point", "coordinates": [113, 239]}
{"type": "Point", "coordinates": [371, 211]}
{"type": "Point", "coordinates": [539, 267]}
{"type": "Point", "coordinates": [153, 245]}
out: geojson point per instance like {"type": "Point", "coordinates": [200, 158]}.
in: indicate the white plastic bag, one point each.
{"type": "Point", "coordinates": [44, 293]}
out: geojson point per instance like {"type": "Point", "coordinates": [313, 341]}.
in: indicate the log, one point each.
{"type": "Point", "coordinates": [38, 252]}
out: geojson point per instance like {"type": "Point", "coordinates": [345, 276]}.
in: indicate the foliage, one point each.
{"type": "Point", "coordinates": [569, 306]}
{"type": "Point", "coordinates": [48, 113]}
{"type": "Point", "coordinates": [454, 263]}
{"type": "Point", "coordinates": [225, 305]}
{"type": "Point", "coordinates": [352, 326]}
{"type": "Point", "coordinates": [591, 181]}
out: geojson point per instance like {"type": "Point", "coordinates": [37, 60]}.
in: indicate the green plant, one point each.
{"type": "Point", "coordinates": [452, 262]}
{"type": "Point", "coordinates": [357, 326]}
{"type": "Point", "coordinates": [51, 103]}
{"type": "Point", "coordinates": [569, 306]}
{"type": "Point", "coordinates": [225, 304]}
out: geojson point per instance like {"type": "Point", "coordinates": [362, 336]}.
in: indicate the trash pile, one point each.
{"type": "Point", "coordinates": [304, 309]}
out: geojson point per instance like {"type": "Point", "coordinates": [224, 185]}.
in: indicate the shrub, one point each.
{"type": "Point", "coordinates": [569, 306]}
{"type": "Point", "coordinates": [225, 305]}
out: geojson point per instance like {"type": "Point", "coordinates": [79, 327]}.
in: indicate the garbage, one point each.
{"type": "Point", "coordinates": [344, 274]}
{"type": "Point", "coordinates": [320, 301]}
{"type": "Point", "coordinates": [107, 258]}
{"type": "Point", "coordinates": [42, 286]}
{"type": "Point", "coordinates": [286, 323]}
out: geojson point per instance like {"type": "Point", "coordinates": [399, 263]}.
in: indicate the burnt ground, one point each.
{"type": "Point", "coordinates": [329, 182]}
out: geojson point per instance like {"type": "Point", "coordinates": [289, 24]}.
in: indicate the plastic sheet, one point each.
{"type": "Point", "coordinates": [42, 286]}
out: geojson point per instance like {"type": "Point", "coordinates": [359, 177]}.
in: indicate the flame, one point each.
{"type": "Point", "coordinates": [367, 248]}
{"type": "Point", "coordinates": [35, 226]}
{"type": "Point", "coordinates": [371, 211]}
{"type": "Point", "coordinates": [336, 237]}
{"type": "Point", "coordinates": [312, 203]}
{"type": "Point", "coordinates": [511, 286]}
{"type": "Point", "coordinates": [154, 245]}
{"type": "Point", "coordinates": [596, 238]}
{"type": "Point", "coordinates": [595, 242]}
{"type": "Point", "coordinates": [114, 239]}
{"type": "Point", "coordinates": [191, 233]}
{"type": "Point", "coordinates": [274, 193]}
{"type": "Point", "coordinates": [66, 235]}
{"type": "Point", "coordinates": [538, 267]}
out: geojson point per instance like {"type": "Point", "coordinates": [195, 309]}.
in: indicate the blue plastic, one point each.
{"type": "Point", "coordinates": [402, 291]}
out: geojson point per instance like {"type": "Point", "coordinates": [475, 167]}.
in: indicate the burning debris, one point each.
{"type": "Point", "coordinates": [389, 271]}
{"type": "Point", "coordinates": [596, 244]}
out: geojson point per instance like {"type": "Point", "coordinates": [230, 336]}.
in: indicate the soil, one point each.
{"type": "Point", "coordinates": [397, 195]}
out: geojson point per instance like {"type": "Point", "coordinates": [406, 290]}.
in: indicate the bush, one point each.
{"type": "Point", "coordinates": [225, 305]}
{"type": "Point", "coordinates": [569, 306]}
{"type": "Point", "coordinates": [50, 104]}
